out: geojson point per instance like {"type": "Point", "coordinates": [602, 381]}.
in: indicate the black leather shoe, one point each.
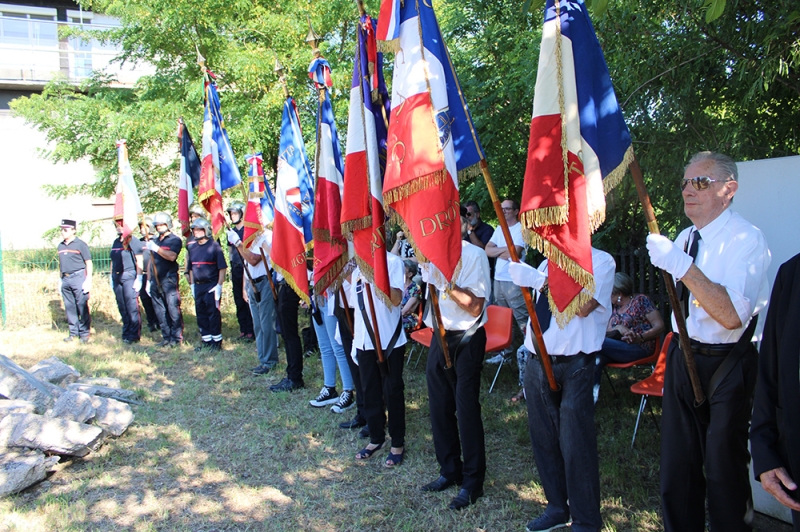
{"type": "Point", "coordinates": [162, 343]}
{"type": "Point", "coordinates": [287, 385]}
{"type": "Point", "coordinates": [355, 423]}
{"type": "Point", "coordinates": [440, 484]}
{"type": "Point", "coordinates": [363, 433]}
{"type": "Point", "coordinates": [465, 498]}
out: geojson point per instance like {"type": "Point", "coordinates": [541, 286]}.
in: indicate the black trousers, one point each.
{"type": "Point", "coordinates": [167, 304]}
{"type": "Point", "coordinates": [456, 412]}
{"type": "Point", "coordinates": [209, 319]}
{"type": "Point", "coordinates": [76, 305]}
{"type": "Point", "coordinates": [288, 308]}
{"type": "Point", "coordinates": [128, 304]}
{"type": "Point", "coordinates": [347, 345]}
{"type": "Point", "coordinates": [149, 311]}
{"type": "Point", "coordinates": [379, 390]}
{"type": "Point", "coordinates": [689, 445]}
{"type": "Point", "coordinates": [243, 315]}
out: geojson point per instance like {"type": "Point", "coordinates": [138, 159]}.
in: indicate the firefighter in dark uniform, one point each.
{"type": "Point", "coordinates": [75, 264]}
{"type": "Point", "coordinates": [243, 316]}
{"type": "Point", "coordinates": [162, 280]}
{"type": "Point", "coordinates": [126, 281]}
{"type": "Point", "coordinates": [147, 229]}
{"type": "Point", "coordinates": [206, 264]}
{"type": "Point", "coordinates": [196, 212]}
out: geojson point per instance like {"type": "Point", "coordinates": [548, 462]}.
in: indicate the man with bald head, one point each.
{"type": "Point", "coordinates": [720, 264]}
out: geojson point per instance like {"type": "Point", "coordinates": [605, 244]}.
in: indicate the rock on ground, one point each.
{"type": "Point", "coordinates": [20, 469]}
{"type": "Point", "coordinates": [54, 371]}
{"type": "Point", "coordinates": [54, 435]}
{"type": "Point", "coordinates": [74, 406]}
{"type": "Point", "coordinates": [17, 383]}
{"type": "Point", "coordinates": [108, 382]}
{"type": "Point", "coordinates": [104, 391]}
{"type": "Point", "coordinates": [15, 406]}
{"type": "Point", "coordinates": [112, 416]}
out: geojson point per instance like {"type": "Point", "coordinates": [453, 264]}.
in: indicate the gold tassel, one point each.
{"type": "Point", "coordinates": [417, 184]}
{"type": "Point", "coordinates": [615, 176]}
{"type": "Point", "coordinates": [469, 172]}
{"type": "Point", "coordinates": [351, 226]}
{"type": "Point", "coordinates": [292, 283]}
{"type": "Point", "coordinates": [563, 318]}
{"type": "Point", "coordinates": [320, 234]}
{"type": "Point", "coordinates": [555, 255]}
{"type": "Point", "coordinates": [392, 46]}
{"type": "Point", "coordinates": [556, 215]}
{"type": "Point", "coordinates": [369, 274]}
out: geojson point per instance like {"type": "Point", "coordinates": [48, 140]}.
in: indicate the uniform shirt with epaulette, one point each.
{"type": "Point", "coordinates": [122, 258]}
{"type": "Point", "coordinates": [72, 257]}
{"type": "Point", "coordinates": [205, 261]}
{"type": "Point", "coordinates": [164, 266]}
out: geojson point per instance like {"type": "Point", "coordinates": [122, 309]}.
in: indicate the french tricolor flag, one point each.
{"type": "Point", "coordinates": [431, 139]}
{"type": "Point", "coordinates": [189, 177]}
{"type": "Point", "coordinates": [579, 149]}
{"type": "Point", "coordinates": [254, 222]}
{"type": "Point", "coordinates": [127, 206]}
{"type": "Point", "coordinates": [294, 205]}
{"type": "Point", "coordinates": [362, 209]}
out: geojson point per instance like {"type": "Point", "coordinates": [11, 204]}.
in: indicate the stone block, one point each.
{"type": "Point", "coordinates": [54, 371]}
{"type": "Point", "coordinates": [54, 435]}
{"type": "Point", "coordinates": [112, 416]}
{"type": "Point", "coordinates": [17, 383]}
{"type": "Point", "coordinates": [20, 469]}
{"type": "Point", "coordinates": [74, 406]}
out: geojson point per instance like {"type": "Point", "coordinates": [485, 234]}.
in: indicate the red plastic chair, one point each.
{"type": "Point", "coordinates": [422, 337]}
{"type": "Point", "coordinates": [499, 333]}
{"type": "Point", "coordinates": [646, 361]}
{"type": "Point", "coordinates": [652, 385]}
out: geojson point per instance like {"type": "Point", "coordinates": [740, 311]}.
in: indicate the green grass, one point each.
{"type": "Point", "coordinates": [213, 449]}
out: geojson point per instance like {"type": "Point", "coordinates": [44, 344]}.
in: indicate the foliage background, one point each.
{"type": "Point", "coordinates": [685, 85]}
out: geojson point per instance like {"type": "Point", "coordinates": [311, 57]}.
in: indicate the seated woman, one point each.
{"type": "Point", "coordinates": [632, 329]}
{"type": "Point", "coordinates": [412, 296]}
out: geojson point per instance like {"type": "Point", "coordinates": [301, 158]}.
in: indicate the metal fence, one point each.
{"type": "Point", "coordinates": [646, 279]}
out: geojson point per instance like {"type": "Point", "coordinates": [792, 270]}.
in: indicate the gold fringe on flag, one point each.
{"type": "Point", "coordinates": [333, 278]}
{"type": "Point", "coordinates": [292, 283]}
{"type": "Point", "coordinates": [392, 46]}
{"type": "Point", "coordinates": [369, 273]}
{"type": "Point", "coordinates": [469, 172]}
{"type": "Point", "coordinates": [351, 226]}
{"type": "Point", "coordinates": [254, 236]}
{"type": "Point", "coordinates": [418, 184]}
{"type": "Point", "coordinates": [556, 215]}
{"type": "Point", "coordinates": [553, 254]}
{"type": "Point", "coordinates": [562, 318]}
{"type": "Point", "coordinates": [320, 234]}
{"type": "Point", "coordinates": [615, 177]}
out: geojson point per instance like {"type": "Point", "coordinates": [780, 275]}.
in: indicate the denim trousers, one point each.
{"type": "Point", "coordinates": [616, 351]}
{"type": "Point", "coordinates": [507, 294]}
{"type": "Point", "coordinates": [263, 313]}
{"type": "Point", "coordinates": [564, 440]}
{"type": "Point", "coordinates": [332, 353]}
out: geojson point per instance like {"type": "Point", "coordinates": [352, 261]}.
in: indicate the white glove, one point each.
{"type": "Point", "coordinates": [233, 238]}
{"type": "Point", "coordinates": [111, 281]}
{"type": "Point", "coordinates": [526, 275]}
{"type": "Point", "coordinates": [147, 287]}
{"type": "Point", "coordinates": [152, 246]}
{"type": "Point", "coordinates": [431, 275]}
{"type": "Point", "coordinates": [60, 283]}
{"type": "Point", "coordinates": [137, 283]}
{"type": "Point", "coordinates": [191, 287]}
{"type": "Point", "coordinates": [666, 255]}
{"type": "Point", "coordinates": [217, 292]}
{"type": "Point", "coordinates": [87, 285]}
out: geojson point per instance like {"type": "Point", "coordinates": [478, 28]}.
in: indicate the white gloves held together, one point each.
{"type": "Point", "coordinates": [666, 255]}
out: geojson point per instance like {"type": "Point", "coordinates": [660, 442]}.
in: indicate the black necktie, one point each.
{"type": "Point", "coordinates": [683, 292]}
{"type": "Point", "coordinates": [543, 310]}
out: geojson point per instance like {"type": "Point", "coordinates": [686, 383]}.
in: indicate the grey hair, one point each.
{"type": "Point", "coordinates": [623, 284]}
{"type": "Point", "coordinates": [722, 163]}
{"type": "Point", "coordinates": [411, 266]}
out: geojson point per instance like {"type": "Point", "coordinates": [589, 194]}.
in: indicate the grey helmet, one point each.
{"type": "Point", "coordinates": [151, 229]}
{"type": "Point", "coordinates": [197, 209]}
{"type": "Point", "coordinates": [236, 206]}
{"type": "Point", "coordinates": [202, 223]}
{"type": "Point", "coordinates": [162, 218]}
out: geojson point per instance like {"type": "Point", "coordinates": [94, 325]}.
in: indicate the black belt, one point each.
{"type": "Point", "coordinates": [259, 279]}
{"type": "Point", "coordinates": [64, 275]}
{"type": "Point", "coordinates": [559, 359]}
{"type": "Point", "coordinates": [206, 282]}
{"type": "Point", "coordinates": [711, 350]}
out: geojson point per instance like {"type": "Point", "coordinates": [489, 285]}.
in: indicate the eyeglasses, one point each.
{"type": "Point", "coordinates": [701, 182]}
{"type": "Point", "coordinates": [508, 209]}
{"type": "Point", "coordinates": [471, 214]}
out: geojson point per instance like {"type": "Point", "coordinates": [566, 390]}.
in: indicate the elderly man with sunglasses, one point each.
{"type": "Point", "coordinates": [721, 264]}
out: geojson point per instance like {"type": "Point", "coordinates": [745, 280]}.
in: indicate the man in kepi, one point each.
{"type": "Point", "coordinates": [75, 265]}
{"type": "Point", "coordinates": [162, 280]}
{"type": "Point", "coordinates": [236, 215]}
{"type": "Point", "coordinates": [455, 407]}
{"type": "Point", "coordinates": [126, 281]}
{"type": "Point", "coordinates": [206, 265]}
{"type": "Point", "coordinates": [561, 424]}
{"type": "Point", "coordinates": [721, 262]}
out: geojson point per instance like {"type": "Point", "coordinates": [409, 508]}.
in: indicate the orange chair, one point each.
{"type": "Point", "coordinates": [652, 385]}
{"type": "Point", "coordinates": [422, 337]}
{"type": "Point", "coordinates": [499, 333]}
{"type": "Point", "coordinates": [648, 360]}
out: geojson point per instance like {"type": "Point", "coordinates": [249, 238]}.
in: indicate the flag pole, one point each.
{"type": "Point", "coordinates": [677, 308]}
{"type": "Point", "coordinates": [343, 295]}
{"type": "Point", "coordinates": [526, 293]}
{"type": "Point", "coordinates": [382, 365]}
{"type": "Point", "coordinates": [440, 332]}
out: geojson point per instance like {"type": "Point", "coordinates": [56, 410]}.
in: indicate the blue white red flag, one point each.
{"type": "Point", "coordinates": [431, 139]}
{"type": "Point", "coordinates": [189, 177]}
{"type": "Point", "coordinates": [127, 206]}
{"type": "Point", "coordinates": [579, 149]}
{"type": "Point", "coordinates": [255, 219]}
{"type": "Point", "coordinates": [294, 204]}
{"type": "Point", "coordinates": [331, 253]}
{"type": "Point", "coordinates": [362, 208]}
{"type": "Point", "coordinates": [320, 72]}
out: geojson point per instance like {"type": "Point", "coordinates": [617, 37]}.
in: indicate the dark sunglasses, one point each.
{"type": "Point", "coordinates": [701, 182]}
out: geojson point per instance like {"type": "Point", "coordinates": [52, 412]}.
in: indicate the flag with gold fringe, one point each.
{"type": "Point", "coordinates": [579, 149]}
{"type": "Point", "coordinates": [127, 205]}
{"type": "Point", "coordinates": [254, 222]}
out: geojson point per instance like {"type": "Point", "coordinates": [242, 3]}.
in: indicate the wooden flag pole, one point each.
{"type": "Point", "coordinates": [677, 308]}
{"type": "Point", "coordinates": [384, 367]}
{"type": "Point", "coordinates": [437, 312]}
{"type": "Point", "coordinates": [343, 295]}
{"type": "Point", "coordinates": [526, 293]}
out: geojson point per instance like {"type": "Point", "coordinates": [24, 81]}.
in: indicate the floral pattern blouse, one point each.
{"type": "Point", "coordinates": [635, 318]}
{"type": "Point", "coordinates": [410, 321]}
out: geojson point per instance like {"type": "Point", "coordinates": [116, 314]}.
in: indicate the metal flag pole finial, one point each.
{"type": "Point", "coordinates": [313, 39]}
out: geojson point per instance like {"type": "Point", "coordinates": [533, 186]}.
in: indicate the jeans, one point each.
{"type": "Point", "coordinates": [332, 353]}
{"type": "Point", "coordinates": [127, 304]}
{"type": "Point", "coordinates": [616, 351]}
{"type": "Point", "coordinates": [561, 426]}
{"type": "Point", "coordinates": [507, 294]}
{"type": "Point", "coordinates": [263, 313]}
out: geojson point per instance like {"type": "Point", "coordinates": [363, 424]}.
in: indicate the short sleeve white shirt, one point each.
{"type": "Point", "coordinates": [265, 243]}
{"type": "Point", "coordinates": [501, 266]}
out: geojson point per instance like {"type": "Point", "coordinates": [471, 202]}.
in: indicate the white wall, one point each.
{"type": "Point", "coordinates": [768, 196]}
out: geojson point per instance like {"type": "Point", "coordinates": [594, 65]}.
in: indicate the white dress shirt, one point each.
{"type": "Point", "coordinates": [264, 242]}
{"type": "Point", "coordinates": [733, 253]}
{"type": "Point", "coordinates": [475, 277]}
{"type": "Point", "coordinates": [388, 317]}
{"type": "Point", "coordinates": [581, 335]}
{"type": "Point", "coordinates": [501, 266]}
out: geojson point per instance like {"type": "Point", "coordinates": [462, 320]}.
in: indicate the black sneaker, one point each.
{"type": "Point", "coordinates": [162, 343]}
{"type": "Point", "coordinates": [545, 523]}
{"type": "Point", "coordinates": [345, 402]}
{"type": "Point", "coordinates": [327, 396]}
{"type": "Point", "coordinates": [261, 369]}
{"type": "Point", "coordinates": [355, 423]}
{"type": "Point", "coordinates": [287, 385]}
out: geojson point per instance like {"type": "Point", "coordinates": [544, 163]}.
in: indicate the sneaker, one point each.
{"type": "Point", "coordinates": [261, 369]}
{"type": "Point", "coordinates": [345, 402]}
{"type": "Point", "coordinates": [545, 523]}
{"type": "Point", "coordinates": [287, 385]}
{"type": "Point", "coordinates": [327, 396]}
{"type": "Point", "coordinates": [495, 359]}
{"type": "Point", "coordinates": [162, 343]}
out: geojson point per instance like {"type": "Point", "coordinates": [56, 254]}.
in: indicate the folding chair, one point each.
{"type": "Point", "coordinates": [652, 385]}
{"type": "Point", "coordinates": [499, 333]}
{"type": "Point", "coordinates": [422, 338]}
{"type": "Point", "coordinates": [648, 360]}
